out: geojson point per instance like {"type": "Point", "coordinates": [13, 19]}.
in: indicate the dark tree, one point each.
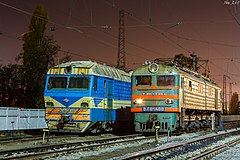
{"type": "Point", "coordinates": [234, 104]}
{"type": "Point", "coordinates": [11, 85]}
{"type": "Point", "coordinates": [38, 54]}
{"type": "Point", "coordinates": [66, 58]}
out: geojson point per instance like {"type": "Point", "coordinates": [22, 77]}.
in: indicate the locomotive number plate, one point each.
{"type": "Point", "coordinates": [153, 109]}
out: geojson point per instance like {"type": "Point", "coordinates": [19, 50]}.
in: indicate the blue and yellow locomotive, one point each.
{"type": "Point", "coordinates": [84, 96]}
{"type": "Point", "coordinates": [172, 98]}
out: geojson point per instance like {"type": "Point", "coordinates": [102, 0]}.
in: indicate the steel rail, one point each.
{"type": "Point", "coordinates": [156, 150]}
{"type": "Point", "coordinates": [29, 139]}
{"type": "Point", "coordinates": [52, 149]}
{"type": "Point", "coordinates": [215, 151]}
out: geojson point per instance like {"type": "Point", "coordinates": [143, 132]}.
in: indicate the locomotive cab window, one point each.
{"type": "Point", "coordinates": [165, 80]}
{"type": "Point", "coordinates": [57, 83]}
{"type": "Point", "coordinates": [79, 83]}
{"type": "Point", "coordinates": [143, 80]}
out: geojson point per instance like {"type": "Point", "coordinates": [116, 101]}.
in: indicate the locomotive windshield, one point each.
{"type": "Point", "coordinates": [165, 80]}
{"type": "Point", "coordinates": [79, 83]}
{"type": "Point", "coordinates": [57, 83]}
{"type": "Point", "coordinates": [60, 83]}
{"type": "Point", "coordinates": [143, 80]}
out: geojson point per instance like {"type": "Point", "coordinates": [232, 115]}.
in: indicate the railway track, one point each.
{"type": "Point", "coordinates": [230, 125]}
{"type": "Point", "coordinates": [50, 150]}
{"type": "Point", "coordinates": [196, 148]}
{"type": "Point", "coordinates": [58, 150]}
{"type": "Point", "coordinates": [32, 139]}
{"type": "Point", "coordinates": [227, 125]}
{"type": "Point", "coordinates": [210, 153]}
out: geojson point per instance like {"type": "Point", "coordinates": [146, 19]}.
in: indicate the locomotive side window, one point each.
{"type": "Point", "coordinates": [79, 83]}
{"type": "Point", "coordinates": [182, 82]}
{"type": "Point", "coordinates": [200, 88]}
{"type": "Point", "coordinates": [165, 80]}
{"type": "Point", "coordinates": [189, 85]}
{"type": "Point", "coordinates": [210, 92]}
{"type": "Point", "coordinates": [57, 83]}
{"type": "Point", "coordinates": [143, 80]}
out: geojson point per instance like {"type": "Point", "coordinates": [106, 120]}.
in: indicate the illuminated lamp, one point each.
{"type": "Point", "coordinates": [138, 101]}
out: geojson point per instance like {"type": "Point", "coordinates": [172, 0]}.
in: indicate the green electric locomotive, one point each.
{"type": "Point", "coordinates": [169, 97]}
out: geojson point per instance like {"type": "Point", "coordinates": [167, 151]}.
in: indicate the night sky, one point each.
{"type": "Point", "coordinates": [153, 29]}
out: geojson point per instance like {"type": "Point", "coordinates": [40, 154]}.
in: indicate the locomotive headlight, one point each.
{"type": "Point", "coordinates": [169, 101]}
{"type": "Point", "coordinates": [84, 105]}
{"type": "Point", "coordinates": [153, 67]}
{"type": "Point", "coordinates": [50, 104]}
{"type": "Point", "coordinates": [138, 101]}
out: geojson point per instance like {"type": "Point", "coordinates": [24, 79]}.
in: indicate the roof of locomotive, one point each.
{"type": "Point", "coordinates": [83, 64]}
{"type": "Point", "coordinates": [89, 67]}
{"type": "Point", "coordinates": [165, 69]}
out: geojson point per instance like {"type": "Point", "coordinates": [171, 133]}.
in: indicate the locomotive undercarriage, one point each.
{"type": "Point", "coordinates": [100, 127]}
{"type": "Point", "coordinates": [122, 124]}
{"type": "Point", "coordinates": [117, 127]}
{"type": "Point", "coordinates": [89, 127]}
{"type": "Point", "coordinates": [187, 120]}
{"type": "Point", "coordinates": [190, 119]}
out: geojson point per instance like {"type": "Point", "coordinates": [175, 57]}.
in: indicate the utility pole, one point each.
{"type": "Point", "coordinates": [224, 94]}
{"type": "Point", "coordinates": [121, 60]}
{"type": "Point", "coordinates": [230, 93]}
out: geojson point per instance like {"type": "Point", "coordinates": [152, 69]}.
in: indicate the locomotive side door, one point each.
{"type": "Point", "coordinates": [182, 100]}
{"type": "Point", "coordinates": [110, 94]}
